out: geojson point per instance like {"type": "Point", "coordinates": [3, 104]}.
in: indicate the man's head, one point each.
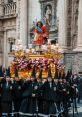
{"type": "Point", "coordinates": [64, 81]}
{"type": "Point", "coordinates": [49, 79]}
{"type": "Point", "coordinates": [39, 80]}
{"type": "Point", "coordinates": [7, 78]}
{"type": "Point", "coordinates": [32, 79]}
{"type": "Point", "coordinates": [56, 80]}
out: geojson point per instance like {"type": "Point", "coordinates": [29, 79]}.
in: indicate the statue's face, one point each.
{"type": "Point", "coordinates": [39, 24]}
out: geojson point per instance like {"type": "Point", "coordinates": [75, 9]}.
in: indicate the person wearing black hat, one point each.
{"type": "Point", "coordinates": [58, 93]}
{"type": "Point", "coordinates": [17, 95]}
{"type": "Point", "coordinates": [28, 106]}
{"type": "Point", "coordinates": [66, 96]}
{"type": "Point", "coordinates": [24, 108]}
{"type": "Point", "coordinates": [33, 98]}
{"type": "Point", "coordinates": [69, 74]}
{"type": "Point", "coordinates": [17, 92]}
{"type": "Point", "coordinates": [8, 72]}
{"type": "Point", "coordinates": [40, 93]}
{"type": "Point", "coordinates": [48, 94]}
{"type": "Point", "coordinates": [56, 74]}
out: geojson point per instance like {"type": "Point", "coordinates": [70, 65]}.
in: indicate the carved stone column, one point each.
{"type": "Point", "coordinates": [63, 24]}
{"type": "Point", "coordinates": [74, 23]}
{"type": "Point", "coordinates": [1, 9]}
{"type": "Point", "coordinates": [18, 19]}
{"type": "Point", "coordinates": [79, 38]}
{"type": "Point", "coordinates": [23, 21]}
{"type": "Point", "coordinates": [5, 57]}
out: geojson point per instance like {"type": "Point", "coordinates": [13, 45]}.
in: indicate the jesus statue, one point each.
{"type": "Point", "coordinates": [40, 34]}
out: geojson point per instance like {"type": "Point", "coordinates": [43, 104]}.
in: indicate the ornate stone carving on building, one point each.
{"type": "Point", "coordinates": [74, 24]}
{"type": "Point", "coordinates": [73, 61]}
{"type": "Point", "coordinates": [8, 9]}
{"type": "Point", "coordinates": [8, 16]}
{"type": "Point", "coordinates": [48, 11]}
{"type": "Point", "coordinates": [69, 17]}
{"type": "Point", "coordinates": [1, 45]}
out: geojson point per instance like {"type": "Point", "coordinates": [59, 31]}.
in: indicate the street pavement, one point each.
{"type": "Point", "coordinates": [79, 109]}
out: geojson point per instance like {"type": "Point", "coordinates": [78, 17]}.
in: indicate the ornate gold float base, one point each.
{"type": "Point", "coordinates": [31, 56]}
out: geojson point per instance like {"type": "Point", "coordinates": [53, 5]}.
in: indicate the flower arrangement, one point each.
{"type": "Point", "coordinates": [23, 62]}
{"type": "Point", "coordinates": [25, 66]}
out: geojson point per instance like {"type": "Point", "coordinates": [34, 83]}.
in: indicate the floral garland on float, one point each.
{"type": "Point", "coordinates": [42, 57]}
{"type": "Point", "coordinates": [24, 62]}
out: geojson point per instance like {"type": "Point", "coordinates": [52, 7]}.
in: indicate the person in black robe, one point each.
{"type": "Point", "coordinates": [17, 95]}
{"type": "Point", "coordinates": [48, 95]}
{"type": "Point", "coordinates": [6, 97]}
{"type": "Point", "coordinates": [73, 95]}
{"type": "Point", "coordinates": [66, 96]}
{"type": "Point", "coordinates": [28, 106]}
{"type": "Point", "coordinates": [59, 96]}
{"type": "Point", "coordinates": [40, 96]}
{"type": "Point", "coordinates": [25, 98]}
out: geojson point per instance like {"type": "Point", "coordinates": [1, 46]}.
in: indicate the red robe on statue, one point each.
{"type": "Point", "coordinates": [40, 38]}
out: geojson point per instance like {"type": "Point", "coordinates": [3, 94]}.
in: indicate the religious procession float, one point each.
{"type": "Point", "coordinates": [40, 58]}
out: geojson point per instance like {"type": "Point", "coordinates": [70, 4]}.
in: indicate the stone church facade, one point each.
{"type": "Point", "coordinates": [65, 27]}
{"type": "Point", "coordinates": [16, 17]}
{"type": "Point", "coordinates": [7, 30]}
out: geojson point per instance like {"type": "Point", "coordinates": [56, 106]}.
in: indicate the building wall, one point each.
{"type": "Point", "coordinates": [34, 12]}
{"type": "Point", "coordinates": [73, 61]}
{"type": "Point", "coordinates": [7, 31]}
{"type": "Point", "coordinates": [16, 26]}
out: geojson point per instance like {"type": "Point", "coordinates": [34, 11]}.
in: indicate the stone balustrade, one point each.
{"type": "Point", "coordinates": [9, 9]}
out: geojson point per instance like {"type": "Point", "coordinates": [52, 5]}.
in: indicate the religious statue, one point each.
{"type": "Point", "coordinates": [40, 33]}
{"type": "Point", "coordinates": [48, 15]}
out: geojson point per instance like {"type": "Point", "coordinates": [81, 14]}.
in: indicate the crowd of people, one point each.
{"type": "Point", "coordinates": [37, 97]}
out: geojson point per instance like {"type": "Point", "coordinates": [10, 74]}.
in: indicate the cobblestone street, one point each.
{"type": "Point", "coordinates": [79, 108]}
